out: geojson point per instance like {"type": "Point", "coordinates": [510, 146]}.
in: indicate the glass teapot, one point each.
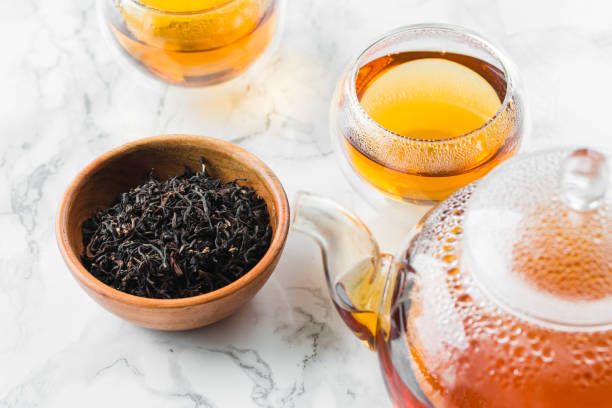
{"type": "Point", "coordinates": [501, 295]}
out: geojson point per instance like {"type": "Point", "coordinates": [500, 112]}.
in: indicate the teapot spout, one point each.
{"type": "Point", "coordinates": [355, 270]}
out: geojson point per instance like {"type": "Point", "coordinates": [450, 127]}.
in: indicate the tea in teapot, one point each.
{"type": "Point", "coordinates": [502, 295]}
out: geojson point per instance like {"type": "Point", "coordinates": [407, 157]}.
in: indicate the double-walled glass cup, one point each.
{"type": "Point", "coordinates": [194, 43]}
{"type": "Point", "coordinates": [454, 66]}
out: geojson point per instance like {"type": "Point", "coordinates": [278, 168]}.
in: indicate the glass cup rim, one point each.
{"type": "Point", "coordinates": [499, 55]}
{"type": "Point", "coordinates": [138, 3]}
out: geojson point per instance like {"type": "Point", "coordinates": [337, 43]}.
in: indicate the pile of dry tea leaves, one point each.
{"type": "Point", "coordinates": [186, 236]}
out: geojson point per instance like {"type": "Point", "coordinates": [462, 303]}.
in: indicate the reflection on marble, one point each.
{"type": "Point", "coordinates": [66, 100]}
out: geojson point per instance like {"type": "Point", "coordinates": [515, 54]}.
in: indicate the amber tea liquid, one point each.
{"type": "Point", "coordinates": [187, 47]}
{"type": "Point", "coordinates": [430, 100]}
{"type": "Point", "coordinates": [358, 294]}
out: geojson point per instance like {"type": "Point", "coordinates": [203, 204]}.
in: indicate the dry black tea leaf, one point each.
{"type": "Point", "coordinates": [186, 236]}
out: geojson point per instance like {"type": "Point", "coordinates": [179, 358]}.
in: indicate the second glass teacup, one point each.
{"type": "Point", "coordinates": [425, 110]}
{"type": "Point", "coordinates": [194, 43]}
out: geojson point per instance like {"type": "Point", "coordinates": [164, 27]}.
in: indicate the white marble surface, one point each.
{"type": "Point", "coordinates": [65, 100]}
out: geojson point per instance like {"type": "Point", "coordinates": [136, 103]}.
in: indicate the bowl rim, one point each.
{"type": "Point", "coordinates": [85, 278]}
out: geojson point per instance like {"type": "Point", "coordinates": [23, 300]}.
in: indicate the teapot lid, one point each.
{"type": "Point", "coordinates": [538, 237]}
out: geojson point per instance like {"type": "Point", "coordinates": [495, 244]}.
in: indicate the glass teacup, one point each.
{"type": "Point", "coordinates": [425, 110]}
{"type": "Point", "coordinates": [195, 43]}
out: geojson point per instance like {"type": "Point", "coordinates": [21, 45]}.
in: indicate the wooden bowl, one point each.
{"type": "Point", "coordinates": [100, 183]}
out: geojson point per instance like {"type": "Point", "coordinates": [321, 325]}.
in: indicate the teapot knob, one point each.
{"type": "Point", "coordinates": [584, 179]}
